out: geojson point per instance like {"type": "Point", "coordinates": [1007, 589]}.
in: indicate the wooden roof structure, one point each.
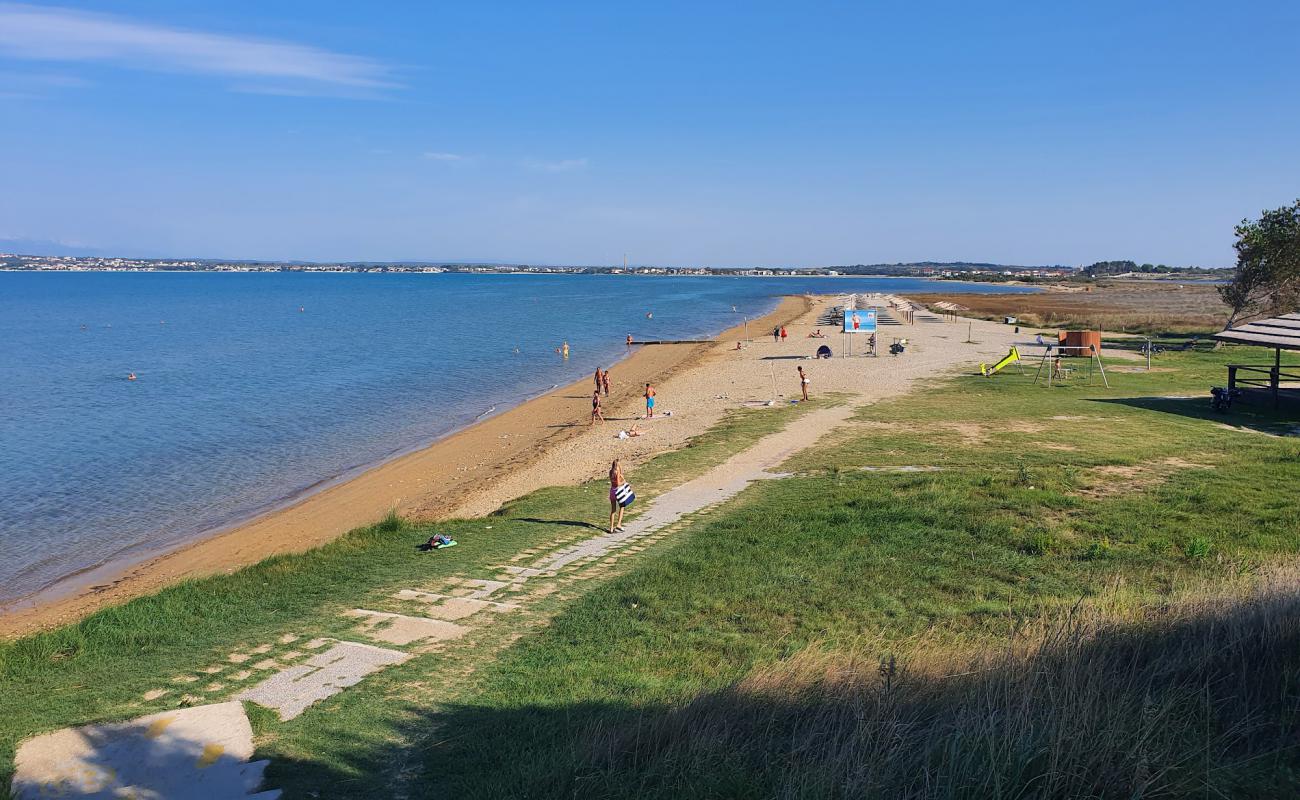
{"type": "Point", "coordinates": [1279, 333]}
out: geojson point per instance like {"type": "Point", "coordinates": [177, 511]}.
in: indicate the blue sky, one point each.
{"type": "Point", "coordinates": [678, 133]}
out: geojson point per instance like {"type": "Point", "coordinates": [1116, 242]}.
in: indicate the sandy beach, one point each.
{"type": "Point", "coordinates": [548, 441]}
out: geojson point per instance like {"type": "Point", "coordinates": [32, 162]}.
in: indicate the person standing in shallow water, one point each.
{"type": "Point", "coordinates": [803, 382]}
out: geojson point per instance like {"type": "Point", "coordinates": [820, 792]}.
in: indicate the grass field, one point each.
{"type": "Point", "coordinates": [99, 669]}
{"type": "Point", "coordinates": [1148, 307]}
{"type": "Point", "coordinates": [1084, 595]}
{"type": "Point", "coordinates": [1007, 626]}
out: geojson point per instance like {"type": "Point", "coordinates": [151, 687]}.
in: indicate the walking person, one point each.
{"type": "Point", "coordinates": [599, 378]}
{"type": "Point", "coordinates": [649, 401]}
{"type": "Point", "coordinates": [782, 334]}
{"type": "Point", "coordinates": [595, 408]}
{"type": "Point", "coordinates": [620, 496]}
{"type": "Point", "coordinates": [604, 382]}
{"type": "Point", "coordinates": [776, 334]}
{"type": "Point", "coordinates": [804, 380]}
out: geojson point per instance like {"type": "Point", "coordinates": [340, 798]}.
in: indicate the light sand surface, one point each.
{"type": "Point", "coordinates": [548, 441]}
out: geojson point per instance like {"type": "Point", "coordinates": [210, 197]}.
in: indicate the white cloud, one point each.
{"type": "Point", "coordinates": [565, 165]}
{"type": "Point", "coordinates": [60, 34]}
{"type": "Point", "coordinates": [443, 157]}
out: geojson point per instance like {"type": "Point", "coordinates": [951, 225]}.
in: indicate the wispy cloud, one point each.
{"type": "Point", "coordinates": [32, 85]}
{"type": "Point", "coordinates": [443, 157]}
{"type": "Point", "coordinates": [61, 34]}
{"type": "Point", "coordinates": [565, 165]}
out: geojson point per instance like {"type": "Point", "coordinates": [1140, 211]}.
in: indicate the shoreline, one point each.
{"type": "Point", "coordinates": [457, 463]}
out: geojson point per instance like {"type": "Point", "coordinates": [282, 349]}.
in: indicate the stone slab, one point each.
{"type": "Point", "coordinates": [400, 629]}
{"type": "Point", "coordinates": [292, 690]}
{"type": "Point", "coordinates": [441, 606]}
{"type": "Point", "coordinates": [188, 754]}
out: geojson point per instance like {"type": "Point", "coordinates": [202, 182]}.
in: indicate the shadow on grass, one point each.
{"type": "Point", "coordinates": [1195, 699]}
{"type": "Point", "coordinates": [1252, 416]}
{"type": "Point", "coordinates": [572, 523]}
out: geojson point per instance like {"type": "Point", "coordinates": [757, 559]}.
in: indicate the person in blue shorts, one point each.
{"type": "Point", "coordinates": [649, 400]}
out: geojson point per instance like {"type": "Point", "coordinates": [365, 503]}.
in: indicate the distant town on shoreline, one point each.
{"type": "Point", "coordinates": [958, 270]}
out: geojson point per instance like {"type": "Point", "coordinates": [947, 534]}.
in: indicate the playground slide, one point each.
{"type": "Point", "coordinates": [988, 371]}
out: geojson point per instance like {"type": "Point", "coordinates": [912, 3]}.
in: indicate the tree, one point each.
{"type": "Point", "coordinates": [1267, 278]}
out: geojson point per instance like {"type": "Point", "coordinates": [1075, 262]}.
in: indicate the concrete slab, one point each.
{"type": "Point", "coordinates": [189, 754]}
{"type": "Point", "coordinates": [400, 629]}
{"type": "Point", "coordinates": [441, 606]}
{"type": "Point", "coordinates": [292, 690]}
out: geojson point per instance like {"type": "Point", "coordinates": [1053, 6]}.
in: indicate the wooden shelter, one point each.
{"type": "Point", "coordinates": [1279, 333]}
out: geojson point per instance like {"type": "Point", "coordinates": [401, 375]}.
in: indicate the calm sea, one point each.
{"type": "Point", "coordinates": [254, 388]}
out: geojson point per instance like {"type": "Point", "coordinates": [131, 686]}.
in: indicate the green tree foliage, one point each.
{"type": "Point", "coordinates": [1267, 278]}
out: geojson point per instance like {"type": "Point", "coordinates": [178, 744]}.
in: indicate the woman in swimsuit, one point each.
{"type": "Point", "coordinates": [595, 408]}
{"type": "Point", "coordinates": [604, 382]}
{"type": "Point", "coordinates": [649, 401]}
{"type": "Point", "coordinates": [615, 510]}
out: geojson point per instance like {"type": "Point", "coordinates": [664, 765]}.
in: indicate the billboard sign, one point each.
{"type": "Point", "coordinates": [860, 320]}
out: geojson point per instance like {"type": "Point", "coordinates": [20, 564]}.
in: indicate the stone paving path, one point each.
{"type": "Point", "coordinates": [191, 753]}
{"type": "Point", "coordinates": [294, 673]}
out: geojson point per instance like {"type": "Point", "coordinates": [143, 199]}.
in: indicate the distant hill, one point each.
{"type": "Point", "coordinates": [45, 247]}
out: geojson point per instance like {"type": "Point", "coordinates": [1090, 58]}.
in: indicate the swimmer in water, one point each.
{"type": "Point", "coordinates": [649, 315]}
{"type": "Point", "coordinates": [564, 349]}
{"type": "Point", "coordinates": [301, 309]}
{"type": "Point", "coordinates": [130, 376]}
{"type": "Point", "coordinates": [629, 340]}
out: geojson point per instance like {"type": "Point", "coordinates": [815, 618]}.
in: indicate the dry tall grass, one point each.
{"type": "Point", "coordinates": [1195, 698]}
{"type": "Point", "coordinates": [1157, 307]}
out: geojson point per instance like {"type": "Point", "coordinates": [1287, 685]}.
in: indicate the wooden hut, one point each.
{"type": "Point", "coordinates": [1279, 333]}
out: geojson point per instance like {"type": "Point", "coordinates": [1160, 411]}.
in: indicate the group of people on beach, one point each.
{"type": "Point", "coordinates": [620, 492]}
{"type": "Point", "coordinates": [602, 385]}
{"type": "Point", "coordinates": [601, 381]}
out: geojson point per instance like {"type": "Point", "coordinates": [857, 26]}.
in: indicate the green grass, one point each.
{"type": "Point", "coordinates": [1132, 497]}
{"type": "Point", "coordinates": [1008, 530]}
{"type": "Point", "coordinates": [98, 669]}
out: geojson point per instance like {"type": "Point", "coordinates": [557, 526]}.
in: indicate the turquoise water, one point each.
{"type": "Point", "coordinates": [243, 401]}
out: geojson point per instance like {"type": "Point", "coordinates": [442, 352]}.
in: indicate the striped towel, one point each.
{"type": "Point", "coordinates": [624, 495]}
